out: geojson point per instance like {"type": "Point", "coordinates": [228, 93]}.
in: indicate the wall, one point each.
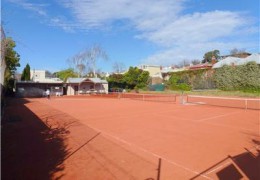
{"type": "Point", "coordinates": [85, 87]}
{"type": "Point", "coordinates": [151, 69]}
{"type": "Point", "coordinates": [70, 89]}
{"type": "Point", "coordinates": [37, 75]}
{"type": "Point", "coordinates": [2, 61]}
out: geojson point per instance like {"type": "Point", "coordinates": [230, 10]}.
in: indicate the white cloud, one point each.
{"type": "Point", "coordinates": [42, 11]}
{"type": "Point", "coordinates": [62, 23]}
{"type": "Point", "coordinates": [192, 51]}
{"type": "Point", "coordinates": [98, 13]}
{"type": "Point", "coordinates": [180, 34]}
{"type": "Point", "coordinates": [163, 23]}
{"type": "Point", "coordinates": [39, 8]}
{"type": "Point", "coordinates": [194, 28]}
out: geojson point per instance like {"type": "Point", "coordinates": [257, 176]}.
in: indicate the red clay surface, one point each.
{"type": "Point", "coordinates": [110, 138]}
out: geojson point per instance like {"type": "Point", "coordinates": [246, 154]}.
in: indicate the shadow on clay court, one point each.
{"type": "Point", "coordinates": [30, 149]}
{"type": "Point", "coordinates": [36, 147]}
{"type": "Point", "coordinates": [244, 165]}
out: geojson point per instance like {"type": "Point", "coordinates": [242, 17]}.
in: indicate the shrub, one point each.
{"type": "Point", "coordinates": [244, 78]}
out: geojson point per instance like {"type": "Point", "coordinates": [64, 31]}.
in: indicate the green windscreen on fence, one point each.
{"type": "Point", "coordinates": [157, 87]}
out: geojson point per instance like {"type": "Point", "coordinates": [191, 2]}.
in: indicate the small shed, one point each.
{"type": "Point", "coordinates": [77, 86]}
{"type": "Point", "coordinates": [37, 89]}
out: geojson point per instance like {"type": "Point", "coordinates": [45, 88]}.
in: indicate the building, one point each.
{"type": "Point", "coordinates": [167, 71]}
{"type": "Point", "coordinates": [38, 84]}
{"type": "Point", "coordinates": [152, 69]}
{"type": "Point", "coordinates": [40, 76]}
{"type": "Point", "coordinates": [235, 61]}
{"type": "Point", "coordinates": [38, 89]}
{"type": "Point", "coordinates": [77, 86]}
{"type": "Point", "coordinates": [2, 61]}
{"type": "Point", "coordinates": [201, 66]}
{"type": "Point", "coordinates": [237, 55]}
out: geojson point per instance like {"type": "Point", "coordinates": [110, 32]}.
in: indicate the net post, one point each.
{"type": "Point", "coordinates": [246, 104]}
{"type": "Point", "coordinates": [181, 98]}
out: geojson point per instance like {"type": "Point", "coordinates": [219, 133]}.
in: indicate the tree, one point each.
{"type": "Point", "coordinates": [208, 56]}
{"type": "Point", "coordinates": [78, 62]}
{"type": "Point", "coordinates": [195, 62]}
{"type": "Point", "coordinates": [136, 78]}
{"type": "Point", "coordinates": [184, 63]}
{"type": "Point", "coordinates": [26, 74]}
{"type": "Point", "coordinates": [92, 55]}
{"type": "Point", "coordinates": [116, 81]}
{"type": "Point", "coordinates": [48, 74]}
{"type": "Point", "coordinates": [118, 67]}
{"type": "Point", "coordinates": [143, 79]}
{"type": "Point", "coordinates": [88, 58]}
{"type": "Point", "coordinates": [236, 51]}
{"type": "Point", "coordinates": [12, 59]}
{"type": "Point", "coordinates": [65, 74]}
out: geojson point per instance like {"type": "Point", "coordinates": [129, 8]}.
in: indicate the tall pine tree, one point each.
{"type": "Point", "coordinates": [26, 73]}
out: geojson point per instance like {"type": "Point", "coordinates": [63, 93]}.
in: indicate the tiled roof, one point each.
{"type": "Point", "coordinates": [201, 66]}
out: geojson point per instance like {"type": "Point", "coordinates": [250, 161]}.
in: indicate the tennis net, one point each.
{"type": "Point", "coordinates": [242, 103]}
{"type": "Point", "coordinates": [150, 97]}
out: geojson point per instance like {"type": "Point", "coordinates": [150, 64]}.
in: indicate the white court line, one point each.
{"type": "Point", "coordinates": [222, 125]}
{"type": "Point", "coordinates": [219, 167]}
{"type": "Point", "coordinates": [231, 127]}
{"type": "Point", "coordinates": [223, 115]}
{"type": "Point", "coordinates": [216, 97]}
{"type": "Point", "coordinates": [149, 152]}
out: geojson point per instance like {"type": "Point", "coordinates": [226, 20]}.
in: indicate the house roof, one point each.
{"type": "Point", "coordinates": [173, 70]}
{"type": "Point", "coordinates": [96, 80]}
{"type": "Point", "coordinates": [75, 80]}
{"type": "Point", "coordinates": [238, 61]}
{"type": "Point", "coordinates": [201, 66]}
{"type": "Point", "coordinates": [80, 80]}
{"type": "Point", "coordinates": [254, 57]}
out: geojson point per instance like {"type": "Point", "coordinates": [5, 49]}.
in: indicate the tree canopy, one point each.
{"type": "Point", "coordinates": [87, 59]}
{"type": "Point", "coordinates": [236, 51]}
{"type": "Point", "coordinates": [133, 78]}
{"type": "Point", "coordinates": [208, 56]}
{"type": "Point", "coordinates": [12, 59]}
{"type": "Point", "coordinates": [26, 75]}
{"type": "Point", "coordinates": [65, 74]}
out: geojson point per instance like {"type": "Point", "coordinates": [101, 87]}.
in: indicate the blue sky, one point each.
{"type": "Point", "coordinates": [165, 32]}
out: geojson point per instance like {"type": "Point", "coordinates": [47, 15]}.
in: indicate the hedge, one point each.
{"type": "Point", "coordinates": [244, 78]}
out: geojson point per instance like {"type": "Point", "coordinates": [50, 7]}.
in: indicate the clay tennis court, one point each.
{"type": "Point", "coordinates": [122, 138]}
